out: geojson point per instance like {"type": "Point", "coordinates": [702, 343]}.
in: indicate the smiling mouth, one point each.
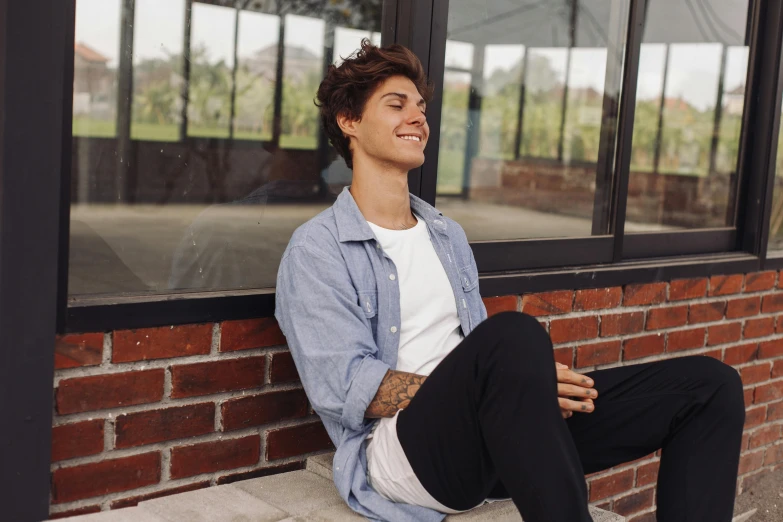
{"type": "Point", "coordinates": [410, 137]}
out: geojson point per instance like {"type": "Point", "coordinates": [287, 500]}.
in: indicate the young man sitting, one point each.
{"type": "Point", "coordinates": [433, 407]}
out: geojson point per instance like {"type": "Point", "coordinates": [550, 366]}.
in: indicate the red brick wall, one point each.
{"type": "Point", "coordinates": [146, 413]}
{"type": "Point", "coordinates": [151, 412]}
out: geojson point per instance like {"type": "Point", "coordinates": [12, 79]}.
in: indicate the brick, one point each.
{"type": "Point", "coordinates": [643, 346]}
{"type": "Point", "coordinates": [760, 327]}
{"type": "Point", "coordinates": [725, 284]}
{"type": "Point", "coordinates": [282, 368]}
{"type": "Point", "coordinates": [768, 392]}
{"type": "Point", "coordinates": [743, 307]}
{"type": "Point", "coordinates": [189, 380]}
{"type": "Point", "coordinates": [775, 411]}
{"type": "Point", "coordinates": [250, 333]}
{"type": "Point", "coordinates": [598, 353]}
{"type": "Point", "coordinates": [706, 312]}
{"type": "Point", "coordinates": [112, 390]}
{"type": "Point", "coordinates": [548, 303]}
{"type": "Point", "coordinates": [760, 281]}
{"type": "Point", "coordinates": [777, 369]}
{"type": "Point", "coordinates": [258, 473]}
{"type": "Point", "coordinates": [255, 410]}
{"type": "Point", "coordinates": [748, 396]}
{"type": "Point", "coordinates": [741, 354]}
{"type": "Point", "coordinates": [773, 455]}
{"type": "Point", "coordinates": [506, 303]}
{"type": "Point", "coordinates": [77, 439]}
{"type": "Point", "coordinates": [716, 354]}
{"type": "Point", "coordinates": [208, 457]}
{"type": "Point", "coordinates": [668, 317]}
{"type": "Point", "coordinates": [133, 501]}
{"type": "Point", "coordinates": [573, 329]}
{"type": "Point", "coordinates": [647, 474]}
{"type": "Point", "coordinates": [750, 481]}
{"type": "Point", "coordinates": [565, 356]}
{"type": "Point", "coordinates": [296, 440]}
{"type": "Point", "coordinates": [755, 374]}
{"type": "Point", "coordinates": [161, 343]}
{"type": "Point", "coordinates": [686, 339]}
{"type": "Point", "coordinates": [772, 303]}
{"type": "Point", "coordinates": [598, 298]}
{"type": "Point", "coordinates": [76, 350]}
{"type": "Point", "coordinates": [635, 502]}
{"type": "Point", "coordinates": [751, 462]}
{"type": "Point", "coordinates": [148, 427]}
{"type": "Point", "coordinates": [107, 476]}
{"type": "Point", "coordinates": [779, 324]}
{"type": "Point", "coordinates": [644, 294]}
{"type": "Point", "coordinates": [755, 416]}
{"type": "Point", "coordinates": [611, 485]}
{"type": "Point", "coordinates": [769, 349]}
{"type": "Point", "coordinates": [86, 510]}
{"type": "Point", "coordinates": [744, 441]}
{"type": "Point", "coordinates": [622, 324]}
{"type": "Point", "coordinates": [687, 289]}
{"type": "Point", "coordinates": [723, 333]}
{"type": "Point", "coordinates": [764, 435]}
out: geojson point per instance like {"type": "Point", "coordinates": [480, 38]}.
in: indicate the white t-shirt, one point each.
{"type": "Point", "coordinates": [429, 330]}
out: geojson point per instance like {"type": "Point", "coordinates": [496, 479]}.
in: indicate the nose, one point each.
{"type": "Point", "coordinates": [417, 117]}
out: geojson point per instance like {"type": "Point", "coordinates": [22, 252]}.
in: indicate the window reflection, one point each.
{"type": "Point", "coordinates": [689, 108]}
{"type": "Point", "coordinates": [197, 179]}
{"type": "Point", "coordinates": [524, 93]}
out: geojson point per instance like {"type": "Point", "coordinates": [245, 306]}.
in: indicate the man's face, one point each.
{"type": "Point", "coordinates": [393, 129]}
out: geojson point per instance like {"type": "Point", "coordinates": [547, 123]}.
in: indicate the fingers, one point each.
{"type": "Point", "coordinates": [567, 376]}
{"type": "Point", "coordinates": [585, 406]}
{"type": "Point", "coordinates": [560, 366]}
{"type": "Point", "coordinates": [572, 390]}
{"type": "Point", "coordinates": [566, 414]}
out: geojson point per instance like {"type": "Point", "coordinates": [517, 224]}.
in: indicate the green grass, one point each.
{"type": "Point", "coordinates": [88, 127]}
{"type": "Point", "coordinates": [298, 142]}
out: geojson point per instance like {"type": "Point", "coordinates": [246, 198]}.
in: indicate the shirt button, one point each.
{"type": "Point", "coordinates": [392, 277]}
{"type": "Point", "coordinates": [393, 329]}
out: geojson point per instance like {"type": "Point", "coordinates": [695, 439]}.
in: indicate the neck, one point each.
{"type": "Point", "coordinates": [381, 193]}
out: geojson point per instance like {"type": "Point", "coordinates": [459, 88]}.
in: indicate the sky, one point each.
{"type": "Point", "coordinates": [158, 30]}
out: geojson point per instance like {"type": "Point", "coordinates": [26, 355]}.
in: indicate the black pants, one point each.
{"type": "Point", "coordinates": [486, 423]}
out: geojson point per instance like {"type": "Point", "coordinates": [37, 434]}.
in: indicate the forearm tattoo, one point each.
{"type": "Point", "coordinates": [395, 393]}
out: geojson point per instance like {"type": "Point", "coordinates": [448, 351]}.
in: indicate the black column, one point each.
{"type": "Point", "coordinates": [36, 46]}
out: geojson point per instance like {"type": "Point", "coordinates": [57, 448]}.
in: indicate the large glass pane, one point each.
{"type": "Point", "coordinates": [524, 96]}
{"type": "Point", "coordinates": [197, 179]}
{"type": "Point", "coordinates": [689, 106]}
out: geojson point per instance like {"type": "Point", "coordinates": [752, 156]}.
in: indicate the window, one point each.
{"type": "Point", "coordinates": [198, 179]}
{"type": "Point", "coordinates": [524, 97]}
{"type": "Point", "coordinates": [689, 108]}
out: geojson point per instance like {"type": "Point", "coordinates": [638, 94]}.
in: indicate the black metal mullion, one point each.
{"type": "Point", "coordinates": [277, 118]}
{"type": "Point", "coordinates": [502, 256]}
{"type": "Point", "coordinates": [233, 103]}
{"type": "Point", "coordinates": [34, 47]}
{"type": "Point", "coordinates": [659, 130]}
{"type": "Point", "coordinates": [185, 92]}
{"type": "Point", "coordinates": [521, 108]}
{"type": "Point", "coordinates": [125, 101]}
{"type": "Point", "coordinates": [626, 120]}
{"type": "Point", "coordinates": [759, 140]}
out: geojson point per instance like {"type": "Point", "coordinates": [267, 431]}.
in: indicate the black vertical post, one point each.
{"type": "Point", "coordinates": [659, 131]}
{"type": "Point", "coordinates": [521, 107]}
{"type": "Point", "coordinates": [473, 131]}
{"type": "Point", "coordinates": [125, 101]}
{"type": "Point", "coordinates": [277, 118]}
{"type": "Point", "coordinates": [233, 109]}
{"type": "Point", "coordinates": [185, 93]}
{"type": "Point", "coordinates": [327, 60]}
{"type": "Point", "coordinates": [36, 38]}
{"type": "Point", "coordinates": [718, 113]}
{"type": "Point", "coordinates": [571, 45]}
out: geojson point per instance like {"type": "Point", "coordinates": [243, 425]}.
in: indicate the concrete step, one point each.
{"type": "Point", "coordinates": [299, 496]}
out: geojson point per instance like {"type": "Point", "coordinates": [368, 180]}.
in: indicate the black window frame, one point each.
{"type": "Point", "coordinates": [515, 266]}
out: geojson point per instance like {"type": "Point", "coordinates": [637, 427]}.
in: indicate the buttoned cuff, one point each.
{"type": "Point", "coordinates": [362, 391]}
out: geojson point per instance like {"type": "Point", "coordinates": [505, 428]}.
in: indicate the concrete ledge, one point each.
{"type": "Point", "coordinates": [299, 496]}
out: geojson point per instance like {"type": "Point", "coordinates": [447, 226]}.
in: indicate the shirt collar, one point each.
{"type": "Point", "coordinates": [352, 226]}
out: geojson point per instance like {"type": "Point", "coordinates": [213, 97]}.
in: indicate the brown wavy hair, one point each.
{"type": "Point", "coordinates": [346, 89]}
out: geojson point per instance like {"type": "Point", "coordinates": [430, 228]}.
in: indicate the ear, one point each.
{"type": "Point", "coordinates": [347, 125]}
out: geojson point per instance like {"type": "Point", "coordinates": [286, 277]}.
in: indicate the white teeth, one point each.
{"type": "Point", "coordinates": [410, 138]}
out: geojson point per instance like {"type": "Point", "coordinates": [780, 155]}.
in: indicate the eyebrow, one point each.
{"type": "Point", "coordinates": [404, 96]}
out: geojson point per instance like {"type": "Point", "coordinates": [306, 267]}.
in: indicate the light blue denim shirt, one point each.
{"type": "Point", "coordinates": [338, 304]}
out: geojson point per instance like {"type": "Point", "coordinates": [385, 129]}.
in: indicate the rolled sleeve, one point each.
{"type": "Point", "coordinates": [362, 391]}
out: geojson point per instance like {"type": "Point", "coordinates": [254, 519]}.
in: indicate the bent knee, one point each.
{"type": "Point", "coordinates": [724, 383]}
{"type": "Point", "coordinates": [519, 336]}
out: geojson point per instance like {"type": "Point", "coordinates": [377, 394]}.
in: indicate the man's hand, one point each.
{"type": "Point", "coordinates": [574, 391]}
